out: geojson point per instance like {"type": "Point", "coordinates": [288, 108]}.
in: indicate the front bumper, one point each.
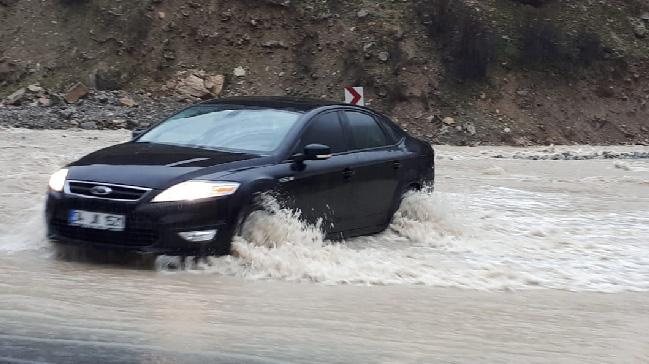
{"type": "Point", "coordinates": [150, 227]}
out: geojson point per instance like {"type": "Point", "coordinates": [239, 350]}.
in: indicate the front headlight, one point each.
{"type": "Point", "coordinates": [196, 190]}
{"type": "Point", "coordinates": [57, 180]}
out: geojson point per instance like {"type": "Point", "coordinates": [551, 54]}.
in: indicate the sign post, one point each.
{"type": "Point", "coordinates": [354, 96]}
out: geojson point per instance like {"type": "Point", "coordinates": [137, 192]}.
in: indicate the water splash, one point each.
{"type": "Point", "coordinates": [273, 226]}
{"type": "Point", "coordinates": [276, 244]}
{"type": "Point", "coordinates": [24, 232]}
{"type": "Point", "coordinates": [498, 239]}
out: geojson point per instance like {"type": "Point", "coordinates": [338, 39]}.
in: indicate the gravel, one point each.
{"type": "Point", "coordinates": [99, 110]}
{"type": "Point", "coordinates": [578, 156]}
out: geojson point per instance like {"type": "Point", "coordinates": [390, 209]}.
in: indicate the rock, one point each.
{"type": "Point", "coordinates": [161, 15]}
{"type": "Point", "coordinates": [384, 56]}
{"type": "Point", "coordinates": [35, 88]}
{"type": "Point", "coordinates": [89, 125]}
{"type": "Point", "coordinates": [119, 123]}
{"type": "Point", "coordinates": [448, 120]}
{"type": "Point", "coordinates": [44, 101]}
{"type": "Point", "coordinates": [108, 78]}
{"type": "Point", "coordinates": [127, 101]}
{"type": "Point", "coordinates": [640, 29]}
{"type": "Point", "coordinates": [239, 72]}
{"type": "Point", "coordinates": [16, 98]}
{"type": "Point", "coordinates": [197, 84]}
{"type": "Point", "coordinates": [645, 17]}
{"type": "Point", "coordinates": [193, 86]}
{"type": "Point", "coordinates": [10, 72]}
{"type": "Point", "coordinates": [66, 113]}
{"type": "Point", "coordinates": [470, 128]}
{"type": "Point", "coordinates": [522, 93]}
{"type": "Point", "coordinates": [76, 92]}
{"type": "Point", "coordinates": [214, 84]}
{"type": "Point", "coordinates": [102, 98]}
{"type": "Point", "coordinates": [363, 13]}
{"type": "Point", "coordinates": [507, 130]}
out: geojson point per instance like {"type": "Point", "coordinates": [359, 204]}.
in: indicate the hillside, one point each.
{"type": "Point", "coordinates": [460, 72]}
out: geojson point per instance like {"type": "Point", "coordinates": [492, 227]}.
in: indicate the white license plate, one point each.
{"type": "Point", "coordinates": [96, 220]}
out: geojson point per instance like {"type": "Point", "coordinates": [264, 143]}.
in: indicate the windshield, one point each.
{"type": "Point", "coordinates": [225, 127]}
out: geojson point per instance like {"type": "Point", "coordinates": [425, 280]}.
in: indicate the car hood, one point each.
{"type": "Point", "coordinates": [157, 165]}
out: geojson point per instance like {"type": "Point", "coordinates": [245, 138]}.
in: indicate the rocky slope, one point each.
{"type": "Point", "coordinates": [451, 71]}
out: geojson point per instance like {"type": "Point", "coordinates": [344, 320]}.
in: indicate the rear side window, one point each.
{"type": "Point", "coordinates": [325, 129]}
{"type": "Point", "coordinates": [366, 132]}
{"type": "Point", "coordinates": [394, 132]}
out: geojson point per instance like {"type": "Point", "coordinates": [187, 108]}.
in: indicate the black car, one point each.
{"type": "Point", "coordinates": [186, 184]}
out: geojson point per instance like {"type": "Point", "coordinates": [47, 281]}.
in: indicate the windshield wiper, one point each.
{"type": "Point", "coordinates": [217, 149]}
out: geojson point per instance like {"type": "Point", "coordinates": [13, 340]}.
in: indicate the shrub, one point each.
{"type": "Point", "coordinates": [473, 50]}
{"type": "Point", "coordinates": [545, 45]}
{"type": "Point", "coordinates": [466, 42]}
{"type": "Point", "coordinates": [542, 43]}
{"type": "Point", "coordinates": [438, 16]}
{"type": "Point", "coordinates": [588, 48]}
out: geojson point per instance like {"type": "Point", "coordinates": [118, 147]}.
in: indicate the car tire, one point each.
{"type": "Point", "coordinates": [223, 245]}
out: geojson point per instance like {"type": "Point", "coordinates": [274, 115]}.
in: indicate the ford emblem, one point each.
{"type": "Point", "coordinates": [101, 190]}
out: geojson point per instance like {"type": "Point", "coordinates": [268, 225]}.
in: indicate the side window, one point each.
{"type": "Point", "coordinates": [325, 129]}
{"type": "Point", "coordinates": [394, 132]}
{"type": "Point", "coordinates": [366, 133]}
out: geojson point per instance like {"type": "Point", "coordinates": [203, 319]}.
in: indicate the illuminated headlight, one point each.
{"type": "Point", "coordinates": [196, 190]}
{"type": "Point", "coordinates": [57, 180]}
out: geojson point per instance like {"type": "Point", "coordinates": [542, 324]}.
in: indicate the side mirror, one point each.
{"type": "Point", "coordinates": [315, 152]}
{"type": "Point", "coordinates": [137, 132]}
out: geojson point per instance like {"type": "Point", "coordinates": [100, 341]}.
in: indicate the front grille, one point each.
{"type": "Point", "coordinates": [129, 237]}
{"type": "Point", "coordinates": [116, 192]}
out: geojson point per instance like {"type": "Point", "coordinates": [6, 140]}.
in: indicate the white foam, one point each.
{"type": "Point", "coordinates": [435, 240]}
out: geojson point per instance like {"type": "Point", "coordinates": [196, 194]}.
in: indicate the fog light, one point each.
{"type": "Point", "coordinates": [198, 236]}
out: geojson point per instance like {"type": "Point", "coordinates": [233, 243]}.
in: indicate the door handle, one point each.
{"type": "Point", "coordinates": [348, 173]}
{"type": "Point", "coordinates": [396, 164]}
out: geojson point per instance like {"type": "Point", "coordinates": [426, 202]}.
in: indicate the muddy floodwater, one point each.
{"type": "Point", "coordinates": [513, 259]}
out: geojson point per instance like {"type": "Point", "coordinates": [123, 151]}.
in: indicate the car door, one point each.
{"type": "Point", "coordinates": [321, 189]}
{"type": "Point", "coordinates": [376, 168]}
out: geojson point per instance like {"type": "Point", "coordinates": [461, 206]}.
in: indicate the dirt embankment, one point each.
{"type": "Point", "coordinates": [461, 72]}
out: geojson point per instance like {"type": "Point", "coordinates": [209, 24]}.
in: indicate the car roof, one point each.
{"type": "Point", "coordinates": [276, 102]}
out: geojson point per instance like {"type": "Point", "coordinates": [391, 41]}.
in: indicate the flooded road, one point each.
{"type": "Point", "coordinates": [509, 260]}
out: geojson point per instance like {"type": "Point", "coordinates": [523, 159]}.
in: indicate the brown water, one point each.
{"type": "Point", "coordinates": [508, 261]}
